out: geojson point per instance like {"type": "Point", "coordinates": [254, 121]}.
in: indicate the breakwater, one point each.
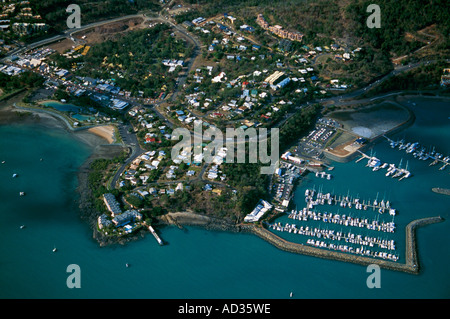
{"type": "Point", "coordinates": [410, 266]}
{"type": "Point", "coordinates": [438, 190]}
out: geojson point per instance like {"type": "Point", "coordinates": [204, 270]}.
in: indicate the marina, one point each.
{"type": "Point", "coordinates": [343, 220]}
{"type": "Point", "coordinates": [340, 253]}
{"type": "Point", "coordinates": [163, 271]}
{"type": "Point", "coordinates": [392, 170]}
{"type": "Point", "coordinates": [313, 198]}
{"type": "Point", "coordinates": [349, 238]}
{"type": "Point", "coordinates": [323, 175]}
{"type": "Point", "coordinates": [360, 251]}
{"type": "Point", "coordinates": [334, 235]}
{"type": "Point", "coordinates": [420, 152]}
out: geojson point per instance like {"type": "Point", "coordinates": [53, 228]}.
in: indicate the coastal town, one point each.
{"type": "Point", "coordinates": [228, 70]}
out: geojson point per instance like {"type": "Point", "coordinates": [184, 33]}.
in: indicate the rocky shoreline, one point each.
{"type": "Point", "coordinates": [87, 212]}
{"type": "Point", "coordinates": [180, 219]}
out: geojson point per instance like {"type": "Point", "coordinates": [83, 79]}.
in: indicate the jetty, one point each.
{"type": "Point", "coordinates": [392, 171]}
{"type": "Point", "coordinates": [420, 152]}
{"type": "Point", "coordinates": [158, 239]}
{"type": "Point", "coordinates": [313, 199]}
{"type": "Point", "coordinates": [410, 266]}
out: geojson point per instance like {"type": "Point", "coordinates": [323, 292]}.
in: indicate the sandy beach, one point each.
{"type": "Point", "coordinates": [106, 132]}
{"type": "Point", "coordinates": [94, 136]}
{"type": "Point", "coordinates": [99, 139]}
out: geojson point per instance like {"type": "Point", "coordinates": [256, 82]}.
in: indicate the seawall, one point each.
{"type": "Point", "coordinates": [410, 266]}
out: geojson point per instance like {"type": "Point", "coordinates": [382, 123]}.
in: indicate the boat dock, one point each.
{"type": "Point", "coordinates": [411, 264]}
{"type": "Point", "coordinates": [420, 152]}
{"type": "Point", "coordinates": [312, 199]}
{"type": "Point", "coordinates": [344, 220]}
{"type": "Point", "coordinates": [365, 243]}
{"type": "Point", "coordinates": [392, 171]}
{"type": "Point", "coordinates": [158, 239]}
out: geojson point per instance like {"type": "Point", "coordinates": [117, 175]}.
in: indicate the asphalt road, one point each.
{"type": "Point", "coordinates": [130, 139]}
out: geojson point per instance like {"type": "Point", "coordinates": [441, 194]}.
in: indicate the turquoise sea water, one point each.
{"type": "Point", "coordinates": [197, 263]}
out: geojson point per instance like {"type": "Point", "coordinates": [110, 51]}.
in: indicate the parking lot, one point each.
{"type": "Point", "coordinates": [312, 145]}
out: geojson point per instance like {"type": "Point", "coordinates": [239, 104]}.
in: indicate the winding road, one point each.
{"type": "Point", "coordinates": [130, 139]}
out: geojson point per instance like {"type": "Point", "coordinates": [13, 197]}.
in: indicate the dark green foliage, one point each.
{"type": "Point", "coordinates": [25, 79]}
{"type": "Point", "coordinates": [398, 17]}
{"type": "Point", "coordinates": [135, 201]}
{"type": "Point", "coordinates": [54, 11]}
{"type": "Point", "coordinates": [298, 125]}
{"type": "Point", "coordinates": [137, 56]}
{"type": "Point", "coordinates": [251, 185]}
{"type": "Point", "coordinates": [421, 78]}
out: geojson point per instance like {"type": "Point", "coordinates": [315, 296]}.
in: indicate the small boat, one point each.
{"type": "Point", "coordinates": [22, 226]}
{"type": "Point", "coordinates": [3, 162]}
{"type": "Point", "coordinates": [127, 265]}
{"type": "Point", "coordinates": [291, 294]}
{"type": "Point", "coordinates": [15, 175]}
{"type": "Point", "coordinates": [22, 193]}
{"type": "Point", "coordinates": [54, 249]}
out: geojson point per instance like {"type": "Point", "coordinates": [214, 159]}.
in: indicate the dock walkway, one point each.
{"type": "Point", "coordinates": [158, 239]}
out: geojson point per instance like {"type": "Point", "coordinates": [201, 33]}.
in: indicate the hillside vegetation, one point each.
{"type": "Point", "coordinates": [54, 11]}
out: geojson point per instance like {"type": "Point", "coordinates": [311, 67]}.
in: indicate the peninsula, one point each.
{"type": "Point", "coordinates": [134, 80]}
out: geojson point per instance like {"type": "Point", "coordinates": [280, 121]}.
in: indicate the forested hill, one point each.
{"type": "Point", "coordinates": [320, 20]}
{"type": "Point", "coordinates": [54, 11]}
{"type": "Point", "coordinates": [398, 18]}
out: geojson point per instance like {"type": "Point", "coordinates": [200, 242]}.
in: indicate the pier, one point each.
{"type": "Point", "coordinates": [419, 152]}
{"type": "Point", "coordinates": [343, 220]}
{"type": "Point", "coordinates": [158, 239]}
{"type": "Point", "coordinates": [392, 170]}
{"type": "Point", "coordinates": [312, 199]}
{"type": "Point", "coordinates": [410, 266]}
{"type": "Point", "coordinates": [347, 237]}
